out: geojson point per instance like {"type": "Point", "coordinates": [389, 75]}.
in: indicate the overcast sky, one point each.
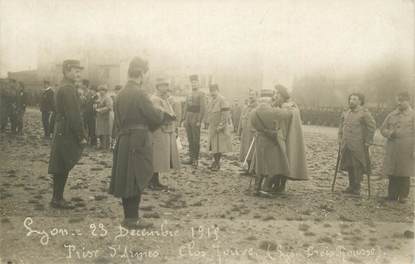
{"type": "Point", "coordinates": [291, 37]}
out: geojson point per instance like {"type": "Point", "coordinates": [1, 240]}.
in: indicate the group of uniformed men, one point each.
{"type": "Point", "coordinates": [12, 105]}
{"type": "Point", "coordinates": [270, 128]}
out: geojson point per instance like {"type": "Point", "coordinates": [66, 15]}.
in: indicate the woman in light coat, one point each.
{"type": "Point", "coordinates": [103, 110]}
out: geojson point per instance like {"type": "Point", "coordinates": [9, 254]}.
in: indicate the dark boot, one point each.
{"type": "Point", "coordinates": [282, 184]}
{"type": "Point", "coordinates": [157, 183]}
{"type": "Point", "coordinates": [59, 182]}
{"type": "Point", "coordinates": [258, 184]}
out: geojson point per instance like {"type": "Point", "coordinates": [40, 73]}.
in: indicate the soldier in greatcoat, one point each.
{"type": "Point", "coordinates": [194, 111]}
{"type": "Point", "coordinates": [290, 137]}
{"type": "Point", "coordinates": [356, 131]}
{"type": "Point", "coordinates": [21, 100]}
{"type": "Point", "coordinates": [399, 129]}
{"type": "Point", "coordinates": [270, 156]}
{"type": "Point", "coordinates": [246, 132]}
{"type": "Point", "coordinates": [135, 117]}
{"type": "Point", "coordinates": [47, 107]}
{"type": "Point", "coordinates": [165, 152]}
{"type": "Point", "coordinates": [219, 138]}
{"type": "Point", "coordinates": [69, 136]}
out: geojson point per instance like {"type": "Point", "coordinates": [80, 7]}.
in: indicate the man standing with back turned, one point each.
{"type": "Point", "coordinates": [69, 136]}
{"type": "Point", "coordinates": [135, 117]}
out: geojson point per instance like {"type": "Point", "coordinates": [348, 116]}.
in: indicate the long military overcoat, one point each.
{"type": "Point", "coordinates": [357, 127]}
{"type": "Point", "coordinates": [399, 129]}
{"type": "Point", "coordinates": [271, 158]}
{"type": "Point", "coordinates": [135, 119]}
{"type": "Point", "coordinates": [66, 149]}
{"type": "Point", "coordinates": [219, 137]}
{"type": "Point", "coordinates": [246, 132]}
{"type": "Point", "coordinates": [165, 152]}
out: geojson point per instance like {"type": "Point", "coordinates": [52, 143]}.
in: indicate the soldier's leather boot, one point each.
{"type": "Point", "coordinates": [133, 223]}
{"type": "Point", "coordinates": [157, 184]}
{"type": "Point", "coordinates": [188, 162]}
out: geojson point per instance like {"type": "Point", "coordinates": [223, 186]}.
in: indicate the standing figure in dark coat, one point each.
{"type": "Point", "coordinates": [8, 103]}
{"type": "Point", "coordinates": [91, 99]}
{"type": "Point", "coordinates": [399, 165]}
{"type": "Point", "coordinates": [195, 108]}
{"type": "Point", "coordinates": [236, 111]}
{"type": "Point", "coordinates": [21, 98]}
{"type": "Point", "coordinates": [356, 131]}
{"type": "Point", "coordinates": [69, 136]}
{"type": "Point", "coordinates": [47, 106]}
{"type": "Point", "coordinates": [135, 117]}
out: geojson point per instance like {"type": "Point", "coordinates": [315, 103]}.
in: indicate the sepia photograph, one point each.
{"type": "Point", "coordinates": [218, 132]}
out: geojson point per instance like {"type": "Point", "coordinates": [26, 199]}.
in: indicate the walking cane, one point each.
{"type": "Point", "coordinates": [337, 168]}
{"type": "Point", "coordinates": [368, 173]}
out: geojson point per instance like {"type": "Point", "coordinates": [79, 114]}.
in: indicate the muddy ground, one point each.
{"type": "Point", "coordinates": [205, 218]}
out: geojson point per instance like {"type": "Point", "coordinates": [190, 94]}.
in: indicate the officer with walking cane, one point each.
{"type": "Point", "coordinates": [356, 131]}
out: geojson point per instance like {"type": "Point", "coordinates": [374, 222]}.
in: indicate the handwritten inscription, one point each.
{"type": "Point", "coordinates": [206, 242]}
{"type": "Point", "coordinates": [44, 235]}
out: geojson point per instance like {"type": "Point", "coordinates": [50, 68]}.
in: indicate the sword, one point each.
{"type": "Point", "coordinates": [337, 168]}
{"type": "Point", "coordinates": [245, 163]}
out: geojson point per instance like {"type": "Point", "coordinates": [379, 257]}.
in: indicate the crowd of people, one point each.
{"type": "Point", "coordinates": [141, 128]}
{"type": "Point", "coordinates": [330, 116]}
{"type": "Point", "coordinates": [13, 100]}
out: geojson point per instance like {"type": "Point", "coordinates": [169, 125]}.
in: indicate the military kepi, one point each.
{"type": "Point", "coordinates": [193, 77]}
{"type": "Point", "coordinates": [138, 64]}
{"type": "Point", "coordinates": [69, 64]}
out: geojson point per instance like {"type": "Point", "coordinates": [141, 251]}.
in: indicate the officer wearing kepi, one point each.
{"type": "Point", "coordinates": [135, 117]}
{"type": "Point", "coordinates": [195, 108]}
{"type": "Point", "coordinates": [69, 136]}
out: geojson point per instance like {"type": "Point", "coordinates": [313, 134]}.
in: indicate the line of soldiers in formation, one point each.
{"type": "Point", "coordinates": [13, 100]}
{"type": "Point", "coordinates": [269, 127]}
{"type": "Point", "coordinates": [331, 116]}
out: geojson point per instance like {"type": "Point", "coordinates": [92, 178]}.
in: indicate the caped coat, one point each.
{"type": "Point", "coordinates": [357, 127]}
{"type": "Point", "coordinates": [219, 137]}
{"type": "Point", "coordinates": [246, 131]}
{"type": "Point", "coordinates": [135, 117]}
{"type": "Point", "coordinates": [294, 142]}
{"type": "Point", "coordinates": [103, 118]}
{"type": "Point", "coordinates": [165, 152]}
{"type": "Point", "coordinates": [66, 149]}
{"type": "Point", "coordinates": [399, 129]}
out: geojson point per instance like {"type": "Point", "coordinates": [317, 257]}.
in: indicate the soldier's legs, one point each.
{"type": "Point", "coordinates": [189, 134]}
{"type": "Point", "coordinates": [258, 183]}
{"type": "Point", "coordinates": [52, 123]}
{"type": "Point", "coordinates": [269, 182]}
{"type": "Point", "coordinates": [403, 188]}
{"type": "Point", "coordinates": [59, 182]}
{"type": "Point", "coordinates": [45, 123]}
{"type": "Point", "coordinates": [13, 121]}
{"type": "Point", "coordinates": [3, 118]}
{"type": "Point", "coordinates": [90, 123]}
{"type": "Point", "coordinates": [358, 177]}
{"type": "Point", "coordinates": [20, 122]}
{"type": "Point", "coordinates": [392, 189]}
{"type": "Point", "coordinates": [283, 182]}
{"type": "Point", "coordinates": [131, 205]}
{"type": "Point", "coordinates": [196, 141]}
